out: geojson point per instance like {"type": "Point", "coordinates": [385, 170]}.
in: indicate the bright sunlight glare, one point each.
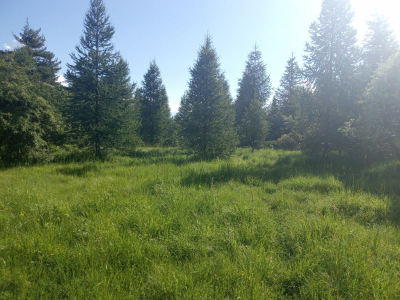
{"type": "Point", "coordinates": [365, 9]}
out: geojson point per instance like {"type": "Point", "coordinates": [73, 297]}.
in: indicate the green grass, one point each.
{"type": "Point", "coordinates": [162, 225]}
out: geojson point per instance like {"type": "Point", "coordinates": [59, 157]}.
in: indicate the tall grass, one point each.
{"type": "Point", "coordinates": [163, 225]}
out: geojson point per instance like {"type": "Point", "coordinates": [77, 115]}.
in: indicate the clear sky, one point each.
{"type": "Point", "coordinates": [171, 31]}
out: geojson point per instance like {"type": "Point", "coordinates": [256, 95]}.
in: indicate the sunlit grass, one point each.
{"type": "Point", "coordinates": [163, 225]}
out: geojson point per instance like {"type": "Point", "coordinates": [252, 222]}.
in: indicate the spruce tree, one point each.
{"type": "Point", "coordinates": [290, 82]}
{"type": "Point", "coordinates": [275, 121]}
{"type": "Point", "coordinates": [253, 86]}
{"type": "Point", "coordinates": [99, 83]}
{"type": "Point", "coordinates": [330, 70]}
{"type": "Point", "coordinates": [206, 114]}
{"type": "Point", "coordinates": [46, 64]}
{"type": "Point", "coordinates": [155, 111]}
{"type": "Point", "coordinates": [28, 120]}
{"type": "Point", "coordinates": [378, 127]}
{"type": "Point", "coordinates": [379, 45]}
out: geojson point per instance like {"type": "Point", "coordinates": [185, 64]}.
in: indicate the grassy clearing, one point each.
{"type": "Point", "coordinates": [161, 225]}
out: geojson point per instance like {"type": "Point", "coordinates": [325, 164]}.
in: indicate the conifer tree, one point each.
{"type": "Point", "coordinates": [290, 82]}
{"type": "Point", "coordinates": [253, 86]}
{"type": "Point", "coordinates": [275, 121]}
{"type": "Point", "coordinates": [330, 68]}
{"type": "Point", "coordinates": [206, 114]}
{"type": "Point", "coordinates": [99, 83]}
{"type": "Point", "coordinates": [155, 111]}
{"type": "Point", "coordinates": [28, 121]}
{"type": "Point", "coordinates": [379, 45]}
{"type": "Point", "coordinates": [46, 65]}
{"type": "Point", "coordinates": [378, 127]}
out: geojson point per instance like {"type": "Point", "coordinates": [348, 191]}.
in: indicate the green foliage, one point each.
{"type": "Point", "coordinates": [99, 84]}
{"type": "Point", "coordinates": [29, 122]}
{"type": "Point", "coordinates": [160, 225]}
{"type": "Point", "coordinates": [154, 108]}
{"type": "Point", "coordinates": [330, 67]}
{"type": "Point", "coordinates": [46, 65]}
{"type": "Point", "coordinates": [379, 127]}
{"type": "Point", "coordinates": [284, 112]}
{"type": "Point", "coordinates": [254, 86]}
{"type": "Point", "coordinates": [275, 121]}
{"type": "Point", "coordinates": [253, 128]}
{"type": "Point", "coordinates": [379, 45]}
{"type": "Point", "coordinates": [206, 115]}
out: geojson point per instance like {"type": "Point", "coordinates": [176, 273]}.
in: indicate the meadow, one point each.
{"type": "Point", "coordinates": [268, 224]}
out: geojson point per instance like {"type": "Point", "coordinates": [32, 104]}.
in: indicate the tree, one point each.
{"type": "Point", "coordinates": [46, 65]}
{"type": "Point", "coordinates": [288, 91]}
{"type": "Point", "coordinates": [99, 83]}
{"type": "Point", "coordinates": [28, 121]}
{"type": "Point", "coordinates": [155, 111]}
{"type": "Point", "coordinates": [286, 109]}
{"type": "Point", "coordinates": [330, 68]}
{"type": "Point", "coordinates": [379, 44]}
{"type": "Point", "coordinates": [253, 130]}
{"type": "Point", "coordinates": [253, 86]}
{"type": "Point", "coordinates": [206, 114]}
{"type": "Point", "coordinates": [379, 126]}
{"type": "Point", "coordinates": [275, 121]}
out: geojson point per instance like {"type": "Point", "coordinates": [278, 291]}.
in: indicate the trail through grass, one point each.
{"type": "Point", "coordinates": [162, 225]}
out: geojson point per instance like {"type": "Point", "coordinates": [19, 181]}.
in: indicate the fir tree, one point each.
{"type": "Point", "coordinates": [379, 45]}
{"type": "Point", "coordinates": [289, 86]}
{"type": "Point", "coordinates": [330, 68]}
{"type": "Point", "coordinates": [46, 65]}
{"type": "Point", "coordinates": [378, 126]}
{"type": "Point", "coordinates": [99, 83]}
{"type": "Point", "coordinates": [275, 121]}
{"type": "Point", "coordinates": [28, 121]}
{"type": "Point", "coordinates": [253, 129]}
{"type": "Point", "coordinates": [206, 114]}
{"type": "Point", "coordinates": [253, 86]}
{"type": "Point", "coordinates": [155, 111]}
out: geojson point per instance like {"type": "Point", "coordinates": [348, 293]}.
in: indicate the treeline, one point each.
{"type": "Point", "coordinates": [345, 99]}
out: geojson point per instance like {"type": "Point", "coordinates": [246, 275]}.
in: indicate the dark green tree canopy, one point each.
{"type": "Point", "coordinates": [155, 111]}
{"type": "Point", "coordinates": [99, 83]}
{"type": "Point", "coordinates": [28, 120]}
{"type": "Point", "coordinates": [255, 83]}
{"type": "Point", "coordinates": [379, 125]}
{"type": "Point", "coordinates": [206, 114]}
{"type": "Point", "coordinates": [330, 67]}
{"type": "Point", "coordinates": [379, 44]}
{"type": "Point", "coordinates": [291, 80]}
{"type": "Point", "coordinates": [253, 86]}
{"type": "Point", "coordinates": [46, 64]}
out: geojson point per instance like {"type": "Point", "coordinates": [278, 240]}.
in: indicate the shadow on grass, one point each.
{"type": "Point", "coordinates": [381, 179]}
{"type": "Point", "coordinates": [174, 156]}
{"type": "Point", "coordinates": [78, 171]}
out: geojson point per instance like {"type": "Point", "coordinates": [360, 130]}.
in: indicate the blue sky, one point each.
{"type": "Point", "coordinates": [171, 31]}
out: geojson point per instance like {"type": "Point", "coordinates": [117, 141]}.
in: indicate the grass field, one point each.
{"type": "Point", "coordinates": [162, 225]}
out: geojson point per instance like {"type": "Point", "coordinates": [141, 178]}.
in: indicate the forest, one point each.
{"type": "Point", "coordinates": [287, 192]}
{"type": "Point", "coordinates": [343, 100]}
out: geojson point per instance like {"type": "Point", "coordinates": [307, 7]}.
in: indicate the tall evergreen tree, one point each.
{"type": "Point", "coordinates": [379, 45]}
{"type": "Point", "coordinates": [378, 127]}
{"type": "Point", "coordinates": [46, 64]}
{"type": "Point", "coordinates": [28, 121]}
{"type": "Point", "coordinates": [275, 121]}
{"type": "Point", "coordinates": [99, 83]}
{"type": "Point", "coordinates": [253, 86]}
{"type": "Point", "coordinates": [206, 114]}
{"type": "Point", "coordinates": [330, 67]}
{"type": "Point", "coordinates": [287, 93]}
{"type": "Point", "coordinates": [155, 111]}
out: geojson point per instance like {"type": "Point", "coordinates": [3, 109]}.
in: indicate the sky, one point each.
{"type": "Point", "coordinates": [172, 31]}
